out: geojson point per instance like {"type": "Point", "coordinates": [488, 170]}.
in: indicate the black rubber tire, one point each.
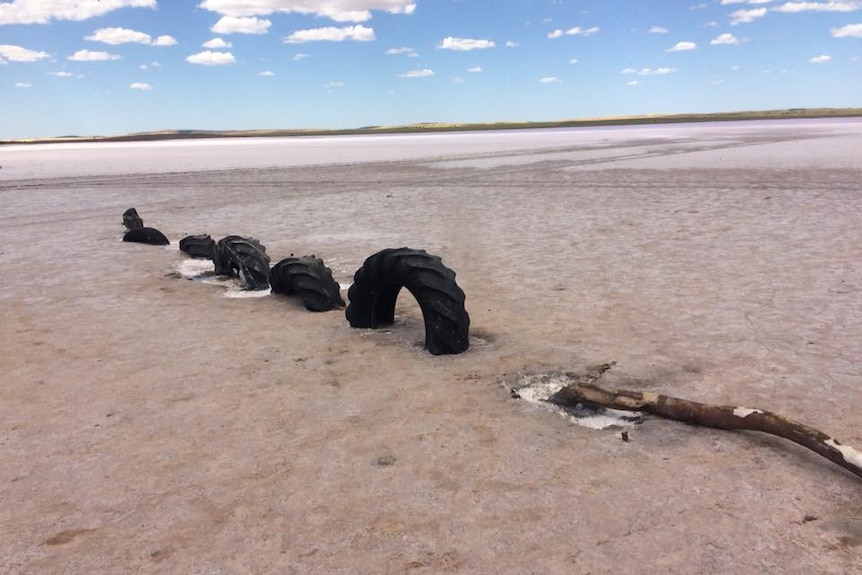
{"type": "Point", "coordinates": [132, 220]}
{"type": "Point", "coordinates": [200, 246]}
{"type": "Point", "coordinates": [150, 236]}
{"type": "Point", "coordinates": [310, 279]}
{"type": "Point", "coordinates": [376, 286]}
{"type": "Point", "coordinates": [244, 258]}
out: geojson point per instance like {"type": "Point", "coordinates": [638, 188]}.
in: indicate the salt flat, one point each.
{"type": "Point", "coordinates": [150, 424]}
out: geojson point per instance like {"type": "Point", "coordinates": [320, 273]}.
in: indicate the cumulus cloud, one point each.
{"type": "Point", "coordinates": [658, 30]}
{"type": "Point", "coordinates": [682, 47]}
{"type": "Point", "coordinates": [848, 31]}
{"type": "Point", "coordinates": [822, 59]}
{"type": "Point", "coordinates": [573, 61]}
{"type": "Point", "coordinates": [550, 80]}
{"type": "Point", "coordinates": [23, 85]}
{"type": "Point", "coordinates": [266, 73]}
{"type": "Point", "coordinates": [216, 43]}
{"type": "Point", "coordinates": [93, 56]}
{"type": "Point", "coordinates": [115, 36]}
{"type": "Point", "coordinates": [424, 73]}
{"type": "Point", "coordinates": [62, 74]}
{"type": "Point", "coordinates": [358, 33]}
{"type": "Point", "coordinates": [141, 86]}
{"type": "Point", "coordinates": [648, 71]}
{"type": "Point", "coordinates": [42, 11]}
{"type": "Point", "coordinates": [210, 58]}
{"type": "Point", "coordinates": [464, 44]}
{"type": "Point", "coordinates": [475, 69]}
{"type": "Point", "coordinates": [337, 10]}
{"type": "Point", "coordinates": [576, 31]}
{"type": "Point", "coordinates": [240, 25]}
{"type": "Point", "coordinates": [726, 39]}
{"type": "Point", "coordinates": [510, 44]}
{"type": "Point", "coordinates": [19, 54]}
{"type": "Point", "coordinates": [747, 16]}
{"type": "Point", "coordinates": [818, 7]}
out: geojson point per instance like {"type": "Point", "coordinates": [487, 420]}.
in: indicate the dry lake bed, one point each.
{"type": "Point", "coordinates": [150, 424]}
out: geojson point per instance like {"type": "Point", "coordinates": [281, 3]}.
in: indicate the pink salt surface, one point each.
{"type": "Point", "coordinates": [150, 425]}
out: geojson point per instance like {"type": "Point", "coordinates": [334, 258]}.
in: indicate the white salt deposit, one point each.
{"type": "Point", "coordinates": [851, 456]}
{"type": "Point", "coordinates": [202, 271]}
{"type": "Point", "coordinates": [743, 412]}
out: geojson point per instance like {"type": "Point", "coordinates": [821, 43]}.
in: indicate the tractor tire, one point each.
{"type": "Point", "coordinates": [244, 258]}
{"type": "Point", "coordinates": [132, 220]}
{"type": "Point", "coordinates": [308, 278]}
{"type": "Point", "coordinates": [150, 236]}
{"type": "Point", "coordinates": [376, 286]}
{"type": "Point", "coordinates": [201, 246]}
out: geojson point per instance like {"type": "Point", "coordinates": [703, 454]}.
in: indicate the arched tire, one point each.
{"type": "Point", "coordinates": [308, 278]}
{"type": "Point", "coordinates": [376, 286]}
{"type": "Point", "coordinates": [244, 258]}
{"type": "Point", "coordinates": [200, 246]}
{"type": "Point", "coordinates": [132, 220]}
{"type": "Point", "coordinates": [150, 236]}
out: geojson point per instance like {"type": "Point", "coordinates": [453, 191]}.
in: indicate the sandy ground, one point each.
{"type": "Point", "coordinates": [151, 425]}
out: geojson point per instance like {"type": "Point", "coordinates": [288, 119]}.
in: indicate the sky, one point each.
{"type": "Point", "coordinates": [107, 67]}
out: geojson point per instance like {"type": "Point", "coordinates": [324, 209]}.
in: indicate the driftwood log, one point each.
{"type": "Point", "coordinates": [718, 416]}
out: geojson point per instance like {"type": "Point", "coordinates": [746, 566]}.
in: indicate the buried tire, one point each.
{"type": "Point", "coordinates": [200, 246]}
{"type": "Point", "coordinates": [308, 278]}
{"type": "Point", "coordinates": [150, 236]}
{"type": "Point", "coordinates": [376, 286]}
{"type": "Point", "coordinates": [244, 258]}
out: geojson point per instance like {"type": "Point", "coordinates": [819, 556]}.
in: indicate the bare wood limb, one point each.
{"type": "Point", "coordinates": [718, 416]}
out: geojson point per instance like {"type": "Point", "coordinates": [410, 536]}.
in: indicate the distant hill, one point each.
{"type": "Point", "coordinates": [448, 127]}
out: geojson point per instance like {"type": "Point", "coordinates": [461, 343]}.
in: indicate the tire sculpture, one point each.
{"type": "Point", "coordinates": [244, 258]}
{"type": "Point", "coordinates": [200, 246]}
{"type": "Point", "coordinates": [132, 220]}
{"type": "Point", "coordinates": [308, 278]}
{"type": "Point", "coordinates": [150, 236]}
{"type": "Point", "coordinates": [376, 286]}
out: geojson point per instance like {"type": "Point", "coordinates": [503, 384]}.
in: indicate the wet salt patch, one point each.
{"type": "Point", "coordinates": [202, 271]}
{"type": "Point", "coordinates": [536, 389]}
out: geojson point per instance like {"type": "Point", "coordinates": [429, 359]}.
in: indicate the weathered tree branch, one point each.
{"type": "Point", "coordinates": [718, 416]}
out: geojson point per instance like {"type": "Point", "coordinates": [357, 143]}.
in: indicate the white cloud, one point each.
{"type": "Point", "coordinates": [475, 69]}
{"type": "Point", "coordinates": [550, 80]}
{"type": "Point", "coordinates": [746, 16]}
{"type": "Point", "coordinates": [648, 71]}
{"type": "Point", "coordinates": [358, 33]}
{"type": "Point", "coordinates": [818, 7]}
{"type": "Point", "coordinates": [848, 31]}
{"type": "Point", "coordinates": [822, 59]}
{"type": "Point", "coordinates": [93, 56]}
{"type": "Point", "coordinates": [44, 11]}
{"type": "Point", "coordinates": [573, 61]}
{"type": "Point", "coordinates": [337, 10]}
{"type": "Point", "coordinates": [417, 73]}
{"type": "Point", "coordinates": [116, 36]}
{"type": "Point", "coordinates": [240, 25]}
{"type": "Point", "coordinates": [210, 58]}
{"type": "Point", "coordinates": [682, 47]}
{"type": "Point", "coordinates": [658, 30]}
{"type": "Point", "coordinates": [141, 86]}
{"type": "Point", "coordinates": [62, 74]}
{"type": "Point", "coordinates": [266, 73]}
{"type": "Point", "coordinates": [463, 44]}
{"type": "Point", "coordinates": [402, 51]}
{"type": "Point", "coordinates": [510, 44]}
{"type": "Point", "coordinates": [457, 80]}
{"type": "Point", "coordinates": [23, 85]}
{"type": "Point", "coordinates": [300, 56]}
{"type": "Point", "coordinates": [726, 39]}
{"type": "Point", "coordinates": [217, 43]}
{"type": "Point", "coordinates": [334, 85]}
{"type": "Point", "coordinates": [725, 2]}
{"type": "Point", "coordinates": [632, 83]}
{"type": "Point", "coordinates": [576, 31]}
{"type": "Point", "coordinates": [19, 54]}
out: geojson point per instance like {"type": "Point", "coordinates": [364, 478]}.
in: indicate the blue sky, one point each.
{"type": "Point", "coordinates": [101, 67]}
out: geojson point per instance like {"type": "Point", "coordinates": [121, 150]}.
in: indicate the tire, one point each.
{"type": "Point", "coordinates": [244, 258]}
{"type": "Point", "coordinates": [201, 246]}
{"type": "Point", "coordinates": [132, 220]}
{"type": "Point", "coordinates": [376, 286]}
{"type": "Point", "coordinates": [308, 278]}
{"type": "Point", "coordinates": [150, 236]}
